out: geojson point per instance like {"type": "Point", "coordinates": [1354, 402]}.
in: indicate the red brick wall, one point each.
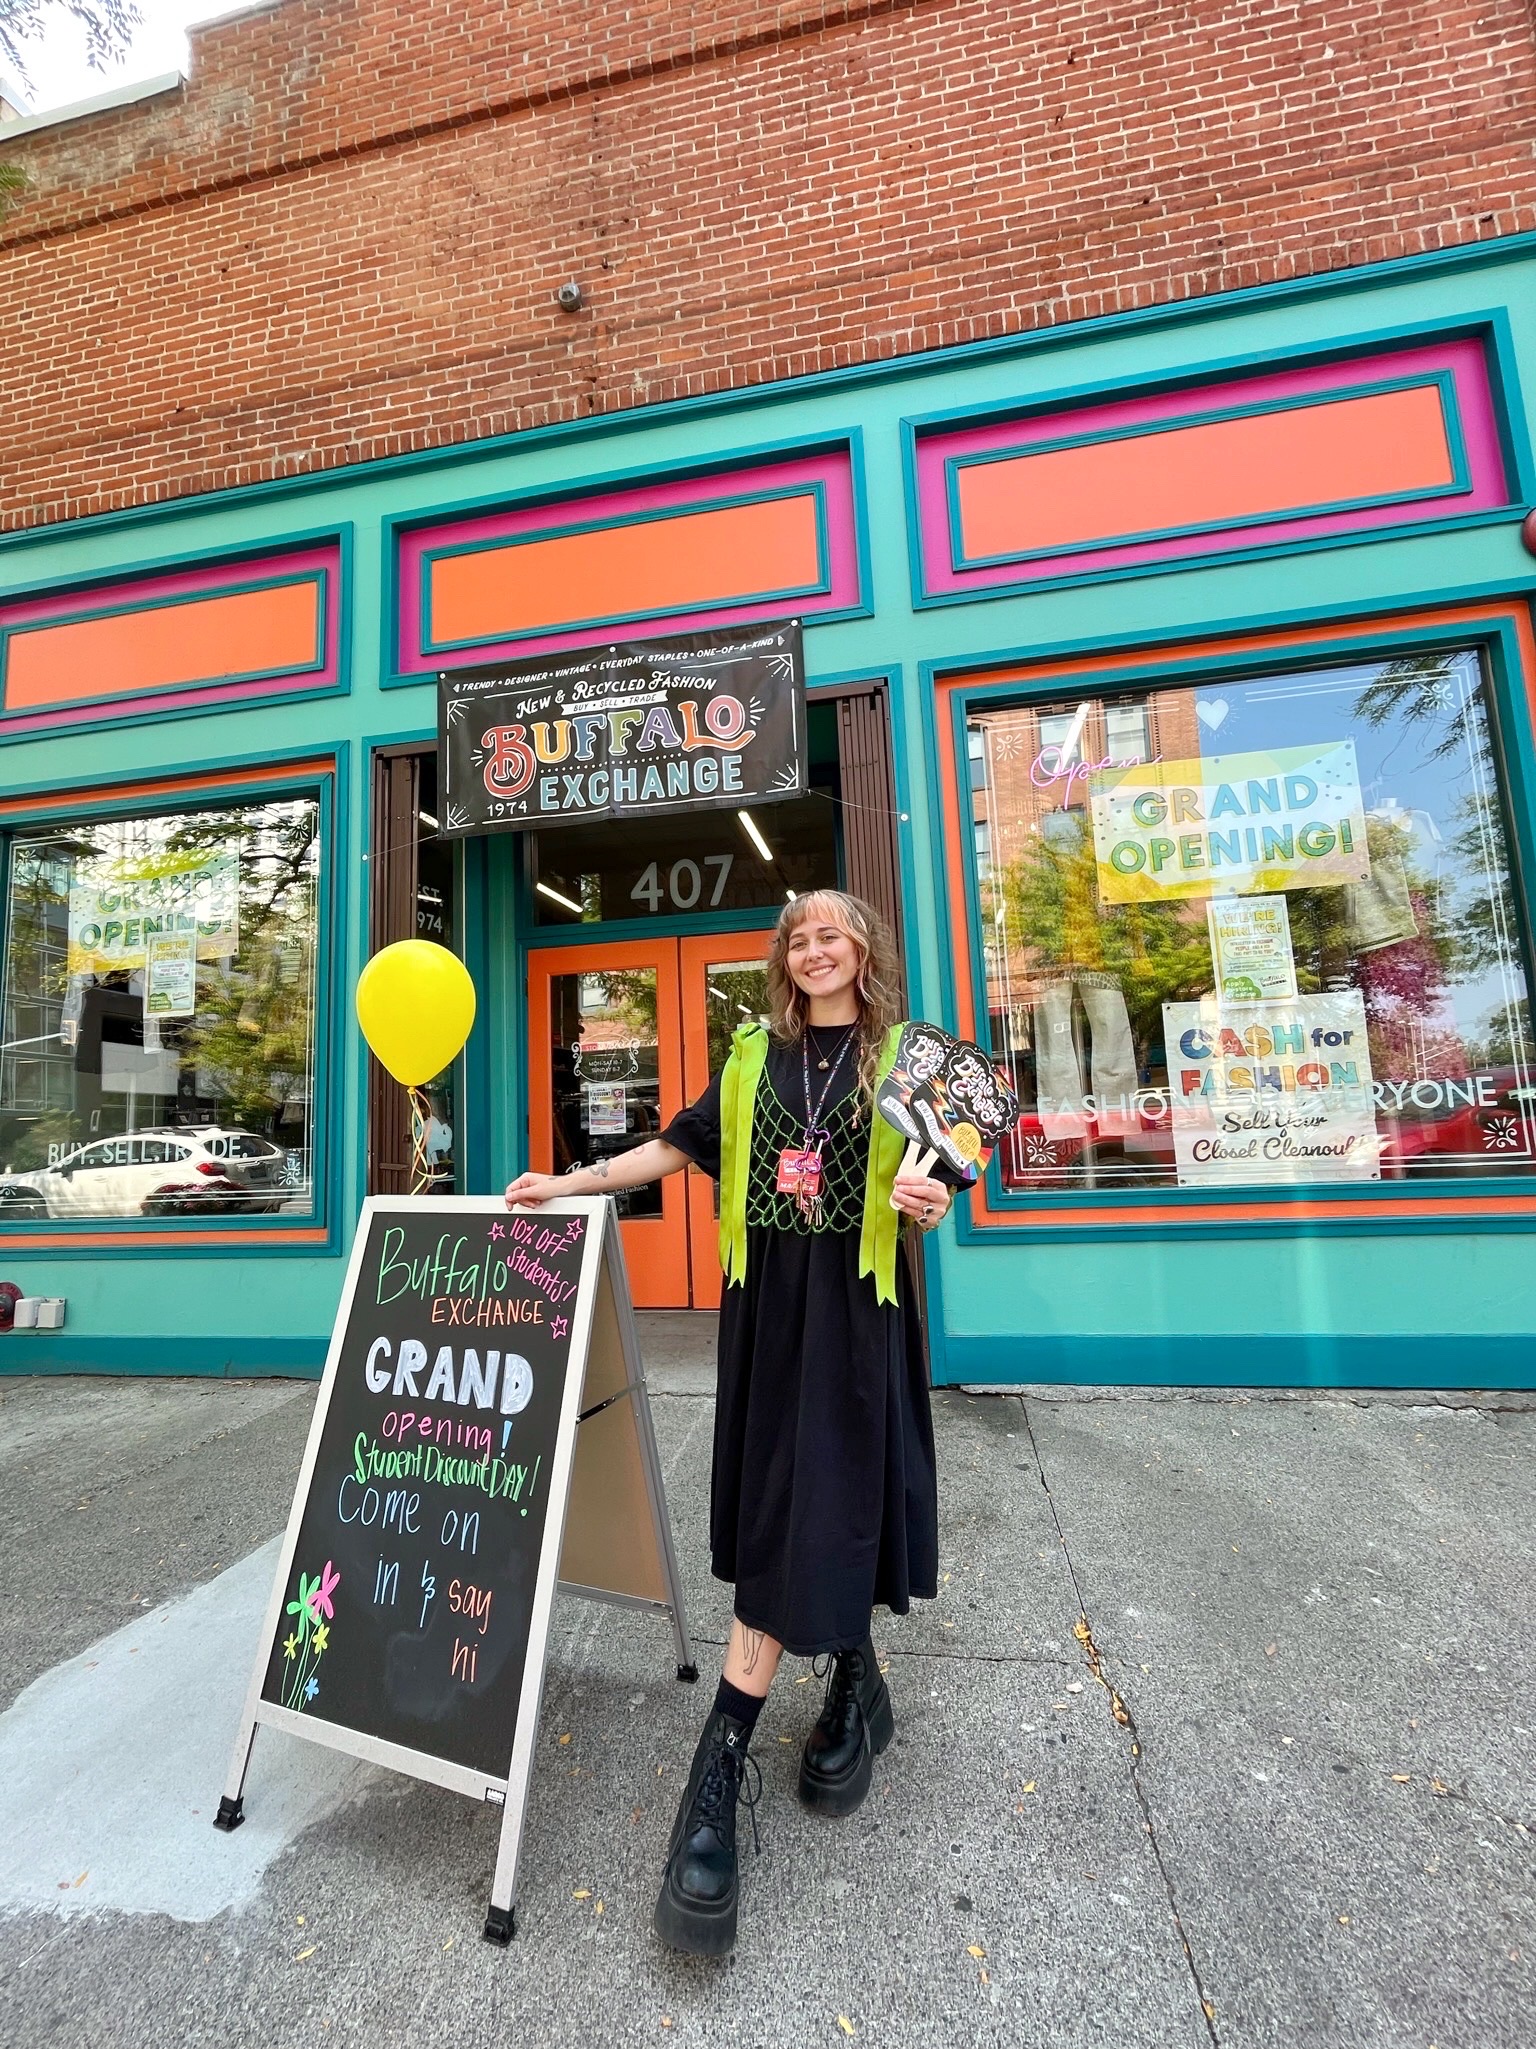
{"type": "Point", "coordinates": [345, 237]}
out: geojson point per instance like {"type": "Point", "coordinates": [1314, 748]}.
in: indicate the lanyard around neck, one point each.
{"type": "Point", "coordinates": [813, 1117]}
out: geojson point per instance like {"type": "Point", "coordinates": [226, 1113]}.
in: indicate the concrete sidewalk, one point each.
{"type": "Point", "coordinates": [1221, 1731]}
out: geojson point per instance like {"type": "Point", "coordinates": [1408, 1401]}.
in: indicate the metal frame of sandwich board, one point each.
{"type": "Point", "coordinates": [602, 1262]}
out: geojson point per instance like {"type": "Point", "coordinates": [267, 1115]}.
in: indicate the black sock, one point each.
{"type": "Point", "coordinates": [741, 1707]}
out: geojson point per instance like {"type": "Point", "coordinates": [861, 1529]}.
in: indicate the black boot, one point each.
{"type": "Point", "coordinates": [856, 1725]}
{"type": "Point", "coordinates": [696, 1909]}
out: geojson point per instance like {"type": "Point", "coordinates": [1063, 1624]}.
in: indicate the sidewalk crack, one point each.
{"type": "Point", "coordinates": [1121, 1712]}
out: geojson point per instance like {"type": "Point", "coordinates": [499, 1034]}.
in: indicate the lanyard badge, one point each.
{"type": "Point", "coordinates": [800, 1171]}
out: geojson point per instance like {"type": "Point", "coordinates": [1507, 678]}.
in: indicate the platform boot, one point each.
{"type": "Point", "coordinates": [696, 1909]}
{"type": "Point", "coordinates": [856, 1724]}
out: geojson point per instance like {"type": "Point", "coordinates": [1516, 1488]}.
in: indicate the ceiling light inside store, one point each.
{"type": "Point", "coordinates": [717, 992]}
{"type": "Point", "coordinates": [427, 819]}
{"type": "Point", "coordinates": [749, 827]}
{"type": "Point", "coordinates": [789, 896]}
{"type": "Point", "coordinates": [555, 897]}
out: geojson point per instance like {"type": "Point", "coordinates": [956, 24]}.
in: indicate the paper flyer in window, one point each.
{"type": "Point", "coordinates": [1251, 949]}
{"type": "Point", "coordinates": [1272, 1092]}
{"type": "Point", "coordinates": [170, 975]}
{"type": "Point", "coordinates": [117, 904]}
{"type": "Point", "coordinates": [1233, 824]}
{"type": "Point", "coordinates": [607, 1108]}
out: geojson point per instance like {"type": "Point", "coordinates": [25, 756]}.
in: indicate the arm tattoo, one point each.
{"type": "Point", "coordinates": [599, 1169]}
{"type": "Point", "coordinates": [751, 1649]}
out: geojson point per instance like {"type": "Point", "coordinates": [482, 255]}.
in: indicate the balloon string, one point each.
{"type": "Point", "coordinates": [421, 1167]}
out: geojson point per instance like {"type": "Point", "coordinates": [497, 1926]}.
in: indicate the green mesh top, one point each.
{"type": "Point", "coordinates": [844, 1158]}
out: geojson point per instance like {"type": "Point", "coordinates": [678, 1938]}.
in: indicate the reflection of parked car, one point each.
{"type": "Point", "coordinates": [154, 1173]}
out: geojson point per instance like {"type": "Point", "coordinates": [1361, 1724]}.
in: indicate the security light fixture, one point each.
{"type": "Point", "coordinates": [571, 298]}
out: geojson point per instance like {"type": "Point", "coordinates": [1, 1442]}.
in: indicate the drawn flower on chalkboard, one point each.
{"type": "Point", "coordinates": [300, 1604]}
{"type": "Point", "coordinates": [311, 1689]}
{"type": "Point", "coordinates": [291, 1647]}
{"type": "Point", "coordinates": [322, 1637]}
{"type": "Point", "coordinates": [321, 1592]}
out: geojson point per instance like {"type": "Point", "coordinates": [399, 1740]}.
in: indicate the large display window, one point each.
{"type": "Point", "coordinates": [159, 1015]}
{"type": "Point", "coordinates": [1257, 933]}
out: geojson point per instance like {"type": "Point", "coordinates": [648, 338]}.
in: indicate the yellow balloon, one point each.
{"type": "Point", "coordinates": [415, 1003]}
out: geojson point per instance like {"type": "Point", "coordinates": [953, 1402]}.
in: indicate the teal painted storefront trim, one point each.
{"type": "Point", "coordinates": [1461, 479]}
{"type": "Point", "coordinates": [790, 595]}
{"type": "Point", "coordinates": [848, 441]}
{"type": "Point", "coordinates": [1330, 1361]}
{"type": "Point", "coordinates": [44, 1353]}
{"type": "Point", "coordinates": [1071, 335]}
{"type": "Point", "coordinates": [126, 710]}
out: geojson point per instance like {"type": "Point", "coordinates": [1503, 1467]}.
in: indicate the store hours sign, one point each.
{"type": "Point", "coordinates": [628, 730]}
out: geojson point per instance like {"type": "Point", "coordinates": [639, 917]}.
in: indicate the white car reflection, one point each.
{"type": "Point", "coordinates": [203, 1170]}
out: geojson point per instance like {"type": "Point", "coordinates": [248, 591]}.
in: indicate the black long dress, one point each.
{"type": "Point", "coordinates": [824, 1496]}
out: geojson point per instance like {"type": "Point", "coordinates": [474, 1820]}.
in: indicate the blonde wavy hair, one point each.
{"type": "Point", "coordinates": [877, 987]}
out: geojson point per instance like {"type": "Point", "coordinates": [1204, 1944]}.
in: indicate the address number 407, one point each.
{"type": "Point", "coordinates": [685, 884]}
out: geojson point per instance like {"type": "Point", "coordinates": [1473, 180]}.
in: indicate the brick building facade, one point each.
{"type": "Point", "coordinates": [343, 238]}
{"type": "Point", "coordinates": [1132, 413]}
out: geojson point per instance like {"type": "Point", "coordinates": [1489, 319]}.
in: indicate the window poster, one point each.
{"type": "Point", "coordinates": [607, 1108]}
{"type": "Point", "coordinates": [1272, 1092]}
{"type": "Point", "coordinates": [118, 902]}
{"type": "Point", "coordinates": [170, 975]}
{"type": "Point", "coordinates": [1251, 948]}
{"type": "Point", "coordinates": [1286, 818]}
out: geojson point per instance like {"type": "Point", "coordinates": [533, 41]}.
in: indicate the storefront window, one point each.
{"type": "Point", "coordinates": [159, 1016]}
{"type": "Point", "coordinates": [1257, 933]}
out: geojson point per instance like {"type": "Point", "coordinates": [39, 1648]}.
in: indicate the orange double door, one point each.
{"type": "Point", "coordinates": [620, 1038]}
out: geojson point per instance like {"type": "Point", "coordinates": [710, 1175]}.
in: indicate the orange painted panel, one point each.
{"type": "Point", "coordinates": [1225, 471]}
{"type": "Point", "coordinates": [188, 640]}
{"type": "Point", "coordinates": [675, 564]}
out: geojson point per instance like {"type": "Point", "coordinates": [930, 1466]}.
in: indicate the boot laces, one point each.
{"type": "Point", "coordinates": [732, 1776]}
{"type": "Point", "coordinates": [837, 1668]}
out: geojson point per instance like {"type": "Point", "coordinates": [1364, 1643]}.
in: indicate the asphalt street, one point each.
{"type": "Point", "coordinates": [1219, 1733]}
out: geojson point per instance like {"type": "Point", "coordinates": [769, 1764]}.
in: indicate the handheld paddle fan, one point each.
{"type": "Point", "coordinates": [947, 1099]}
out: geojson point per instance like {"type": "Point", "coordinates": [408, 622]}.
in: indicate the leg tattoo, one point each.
{"type": "Point", "coordinates": [751, 1649]}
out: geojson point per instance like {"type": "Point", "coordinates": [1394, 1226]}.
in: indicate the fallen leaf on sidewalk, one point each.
{"type": "Point", "coordinates": [584, 1894]}
{"type": "Point", "coordinates": [303, 1953]}
{"type": "Point", "coordinates": [1402, 1778]}
{"type": "Point", "coordinates": [1207, 2009]}
{"type": "Point", "coordinates": [1029, 1785]}
{"type": "Point", "coordinates": [450, 1942]}
{"type": "Point", "coordinates": [974, 1949]}
{"type": "Point", "coordinates": [80, 1881]}
{"type": "Point", "coordinates": [845, 2024]}
{"type": "Point", "coordinates": [1074, 1686]}
{"type": "Point", "coordinates": [566, 1738]}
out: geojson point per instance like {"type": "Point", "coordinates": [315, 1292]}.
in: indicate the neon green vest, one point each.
{"type": "Point", "coordinates": [738, 1095]}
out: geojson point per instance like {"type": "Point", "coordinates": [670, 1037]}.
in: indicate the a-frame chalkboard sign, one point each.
{"type": "Point", "coordinates": [482, 1435]}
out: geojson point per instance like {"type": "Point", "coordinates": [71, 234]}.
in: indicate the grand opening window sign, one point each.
{"type": "Point", "coordinates": [629, 730]}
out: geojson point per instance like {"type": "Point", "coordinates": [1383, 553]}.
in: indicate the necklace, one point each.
{"type": "Point", "coordinates": [837, 1050]}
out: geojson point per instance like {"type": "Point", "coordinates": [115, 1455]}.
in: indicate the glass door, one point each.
{"type": "Point", "coordinates": [724, 983]}
{"type": "Point", "coordinates": [606, 1073]}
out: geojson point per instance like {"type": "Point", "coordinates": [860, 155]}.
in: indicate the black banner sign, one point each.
{"type": "Point", "coordinates": [702, 720]}
{"type": "Point", "coordinates": [407, 1612]}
